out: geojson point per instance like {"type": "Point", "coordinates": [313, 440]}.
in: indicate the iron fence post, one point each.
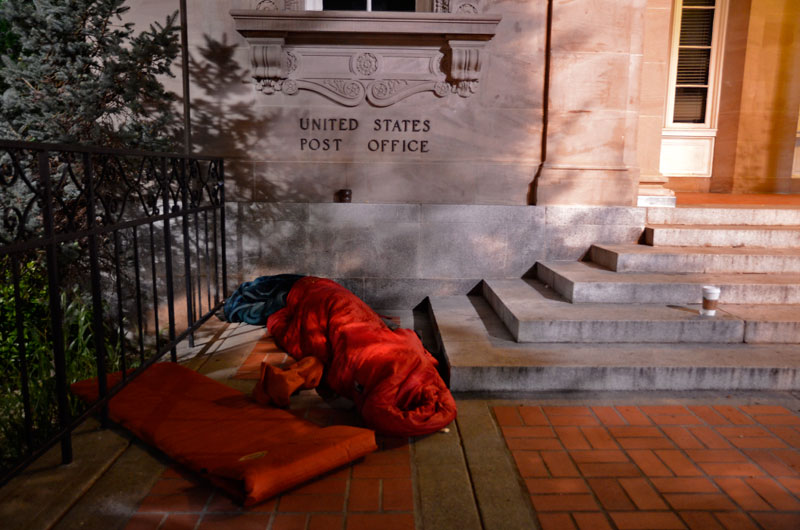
{"type": "Point", "coordinates": [56, 317]}
{"type": "Point", "coordinates": [168, 257]}
{"type": "Point", "coordinates": [98, 328]}
{"type": "Point", "coordinates": [19, 311]}
{"type": "Point", "coordinates": [187, 267]}
{"type": "Point", "coordinates": [221, 185]}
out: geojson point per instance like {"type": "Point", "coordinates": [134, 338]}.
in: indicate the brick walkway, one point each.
{"type": "Point", "coordinates": [373, 493]}
{"type": "Point", "coordinates": [658, 467]}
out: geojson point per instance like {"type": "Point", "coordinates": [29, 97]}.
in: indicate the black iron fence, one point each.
{"type": "Point", "coordinates": [109, 259]}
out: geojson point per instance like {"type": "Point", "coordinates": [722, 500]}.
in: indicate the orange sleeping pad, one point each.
{"type": "Point", "coordinates": [250, 451]}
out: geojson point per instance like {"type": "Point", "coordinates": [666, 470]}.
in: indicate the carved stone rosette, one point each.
{"type": "Point", "coordinates": [346, 67]}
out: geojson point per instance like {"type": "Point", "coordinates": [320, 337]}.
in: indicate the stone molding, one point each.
{"type": "Point", "coordinates": [439, 6]}
{"type": "Point", "coordinates": [378, 57]}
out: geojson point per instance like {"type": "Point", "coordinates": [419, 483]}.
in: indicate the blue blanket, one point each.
{"type": "Point", "coordinates": [254, 301]}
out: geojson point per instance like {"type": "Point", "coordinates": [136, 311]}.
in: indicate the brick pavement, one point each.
{"type": "Point", "coordinates": [375, 492]}
{"type": "Point", "coordinates": [658, 467]}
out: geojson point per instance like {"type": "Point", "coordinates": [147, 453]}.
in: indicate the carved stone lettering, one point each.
{"type": "Point", "coordinates": [389, 135]}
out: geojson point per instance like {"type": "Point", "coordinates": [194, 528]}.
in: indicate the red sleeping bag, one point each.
{"type": "Point", "coordinates": [250, 451]}
{"type": "Point", "coordinates": [388, 374]}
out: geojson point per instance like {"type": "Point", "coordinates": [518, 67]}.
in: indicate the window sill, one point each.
{"type": "Point", "coordinates": [253, 23]}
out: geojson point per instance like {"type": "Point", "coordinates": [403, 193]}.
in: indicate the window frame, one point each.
{"type": "Point", "coordinates": [714, 68]}
{"type": "Point", "coordinates": [422, 6]}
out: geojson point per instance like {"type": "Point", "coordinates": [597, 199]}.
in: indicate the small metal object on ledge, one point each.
{"type": "Point", "coordinates": [344, 195]}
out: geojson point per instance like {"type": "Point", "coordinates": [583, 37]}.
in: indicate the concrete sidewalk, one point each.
{"type": "Point", "coordinates": [550, 460]}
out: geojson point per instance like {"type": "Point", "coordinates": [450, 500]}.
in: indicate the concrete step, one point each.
{"type": "Point", "coordinates": [768, 323]}
{"type": "Point", "coordinates": [715, 216]}
{"type": "Point", "coordinates": [581, 282]}
{"type": "Point", "coordinates": [722, 236]}
{"type": "Point", "coordinates": [644, 258]}
{"type": "Point", "coordinates": [534, 313]}
{"type": "Point", "coordinates": [483, 356]}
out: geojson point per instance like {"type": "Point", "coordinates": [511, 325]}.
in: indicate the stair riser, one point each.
{"type": "Point", "coordinates": [558, 283]}
{"type": "Point", "coordinates": [501, 310]}
{"type": "Point", "coordinates": [706, 330]}
{"type": "Point", "coordinates": [772, 332]}
{"type": "Point", "coordinates": [540, 378]}
{"type": "Point", "coordinates": [689, 237]}
{"type": "Point", "coordinates": [664, 293]}
{"type": "Point", "coordinates": [676, 293]}
{"type": "Point", "coordinates": [694, 263]}
{"type": "Point", "coordinates": [727, 216]}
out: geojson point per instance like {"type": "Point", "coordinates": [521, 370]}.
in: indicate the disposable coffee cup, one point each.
{"type": "Point", "coordinates": [710, 299]}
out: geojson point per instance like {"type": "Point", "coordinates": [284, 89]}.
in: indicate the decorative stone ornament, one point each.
{"type": "Point", "coordinates": [364, 64]}
{"type": "Point", "coordinates": [377, 57]}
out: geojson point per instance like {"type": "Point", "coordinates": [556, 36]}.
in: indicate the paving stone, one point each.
{"type": "Point", "coordinates": [668, 488]}
{"type": "Point", "coordinates": [38, 497]}
{"type": "Point", "coordinates": [500, 495]}
{"type": "Point", "coordinates": [649, 520]}
{"type": "Point", "coordinates": [700, 521]}
{"type": "Point", "coordinates": [684, 485]}
{"type": "Point", "coordinates": [572, 502]}
{"type": "Point", "coordinates": [642, 494]}
{"type": "Point", "coordinates": [556, 521]}
{"type": "Point", "coordinates": [742, 494]}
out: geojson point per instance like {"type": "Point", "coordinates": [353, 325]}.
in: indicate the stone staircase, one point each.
{"type": "Point", "coordinates": [628, 317]}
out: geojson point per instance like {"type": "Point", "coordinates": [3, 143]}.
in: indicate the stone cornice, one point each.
{"type": "Point", "coordinates": [257, 23]}
{"type": "Point", "coordinates": [352, 56]}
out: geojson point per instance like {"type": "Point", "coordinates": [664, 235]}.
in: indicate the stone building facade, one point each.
{"type": "Point", "coordinates": [477, 136]}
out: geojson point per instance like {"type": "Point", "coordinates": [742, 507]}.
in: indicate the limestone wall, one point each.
{"type": "Point", "coordinates": [433, 222]}
{"type": "Point", "coordinates": [393, 255]}
{"type": "Point", "coordinates": [481, 149]}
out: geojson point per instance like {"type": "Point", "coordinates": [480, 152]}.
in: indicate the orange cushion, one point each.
{"type": "Point", "coordinates": [250, 451]}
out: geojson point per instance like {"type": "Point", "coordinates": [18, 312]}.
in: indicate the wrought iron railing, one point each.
{"type": "Point", "coordinates": [101, 251]}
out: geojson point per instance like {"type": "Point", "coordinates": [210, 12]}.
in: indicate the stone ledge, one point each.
{"type": "Point", "coordinates": [255, 23]}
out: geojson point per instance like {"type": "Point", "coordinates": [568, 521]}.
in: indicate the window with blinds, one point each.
{"type": "Point", "coordinates": [694, 53]}
{"type": "Point", "coordinates": [369, 5]}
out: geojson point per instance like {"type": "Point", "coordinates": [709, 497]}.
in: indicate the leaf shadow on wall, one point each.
{"type": "Point", "coordinates": [227, 121]}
